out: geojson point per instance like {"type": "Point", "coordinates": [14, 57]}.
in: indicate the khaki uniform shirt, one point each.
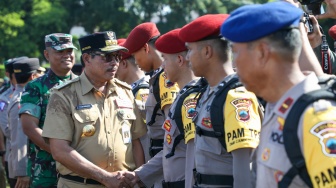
{"type": "Point", "coordinates": [272, 160]}
{"type": "Point", "coordinates": [99, 127]}
{"type": "Point", "coordinates": [210, 156]}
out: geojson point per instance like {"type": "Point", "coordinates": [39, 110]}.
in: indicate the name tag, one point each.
{"type": "Point", "coordinates": [126, 133]}
{"type": "Point", "coordinates": [83, 106]}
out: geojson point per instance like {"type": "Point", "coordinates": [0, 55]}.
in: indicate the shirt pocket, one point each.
{"type": "Point", "coordinates": [208, 144]}
{"type": "Point", "coordinates": [86, 120]}
{"type": "Point", "coordinates": [126, 115]}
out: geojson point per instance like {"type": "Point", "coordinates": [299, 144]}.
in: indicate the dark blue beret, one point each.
{"type": "Point", "coordinates": [252, 22]}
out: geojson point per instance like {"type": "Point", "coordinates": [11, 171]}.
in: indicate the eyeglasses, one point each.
{"type": "Point", "coordinates": [108, 57]}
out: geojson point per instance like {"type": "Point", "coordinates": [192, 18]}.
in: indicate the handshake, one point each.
{"type": "Point", "coordinates": [122, 179]}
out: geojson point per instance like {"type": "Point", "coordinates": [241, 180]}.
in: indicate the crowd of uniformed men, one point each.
{"type": "Point", "coordinates": [205, 105]}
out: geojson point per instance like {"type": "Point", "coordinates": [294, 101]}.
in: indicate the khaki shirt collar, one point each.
{"type": "Point", "coordinates": [87, 86]}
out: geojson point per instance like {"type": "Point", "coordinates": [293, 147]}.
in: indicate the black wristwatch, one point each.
{"type": "Point", "coordinates": [2, 153]}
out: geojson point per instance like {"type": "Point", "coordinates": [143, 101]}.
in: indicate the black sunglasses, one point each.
{"type": "Point", "coordinates": [108, 57]}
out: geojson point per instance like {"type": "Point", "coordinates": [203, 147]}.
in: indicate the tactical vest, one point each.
{"type": "Point", "coordinates": [177, 116]}
{"type": "Point", "coordinates": [291, 140]}
{"type": "Point", "coordinates": [156, 93]}
{"type": "Point", "coordinates": [216, 111]}
{"type": "Point", "coordinates": [143, 85]}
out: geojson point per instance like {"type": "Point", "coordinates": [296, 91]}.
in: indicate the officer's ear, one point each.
{"type": "Point", "coordinates": [46, 54]}
{"type": "Point", "coordinates": [123, 63]}
{"type": "Point", "coordinates": [86, 58]}
{"type": "Point", "coordinates": [146, 47]}
{"type": "Point", "coordinates": [207, 51]}
{"type": "Point", "coordinates": [180, 60]}
{"type": "Point", "coordinates": [263, 52]}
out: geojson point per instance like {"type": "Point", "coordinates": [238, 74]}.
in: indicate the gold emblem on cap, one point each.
{"type": "Point", "coordinates": [85, 48]}
{"type": "Point", "coordinates": [17, 70]}
{"type": "Point", "coordinates": [111, 42]}
{"type": "Point", "coordinates": [88, 130]}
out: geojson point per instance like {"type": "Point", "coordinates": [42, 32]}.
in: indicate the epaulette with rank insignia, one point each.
{"type": "Point", "coordinates": [66, 83]}
{"type": "Point", "coordinates": [124, 84]}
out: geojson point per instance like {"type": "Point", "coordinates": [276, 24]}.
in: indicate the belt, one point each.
{"type": "Point", "coordinates": [156, 145]}
{"type": "Point", "coordinates": [213, 179]}
{"type": "Point", "coordinates": [156, 142]}
{"type": "Point", "coordinates": [175, 184]}
{"type": "Point", "coordinates": [80, 179]}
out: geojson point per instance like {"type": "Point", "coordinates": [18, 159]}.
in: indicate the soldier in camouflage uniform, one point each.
{"type": "Point", "coordinates": [59, 52]}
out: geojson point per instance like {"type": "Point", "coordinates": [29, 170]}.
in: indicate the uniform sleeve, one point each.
{"type": "Point", "coordinates": [319, 145]}
{"type": "Point", "coordinates": [4, 118]}
{"type": "Point", "coordinates": [20, 148]}
{"type": "Point", "coordinates": [58, 123]}
{"type": "Point", "coordinates": [168, 90]}
{"type": "Point", "coordinates": [188, 112]}
{"type": "Point", "coordinates": [242, 120]}
{"type": "Point", "coordinates": [30, 100]}
{"type": "Point", "coordinates": [151, 171]}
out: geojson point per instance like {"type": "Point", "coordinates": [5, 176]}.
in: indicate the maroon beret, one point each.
{"type": "Point", "coordinates": [170, 43]}
{"type": "Point", "coordinates": [202, 28]}
{"type": "Point", "coordinates": [332, 32]}
{"type": "Point", "coordinates": [121, 41]}
{"type": "Point", "coordinates": [124, 55]}
{"type": "Point", "coordinates": [140, 35]}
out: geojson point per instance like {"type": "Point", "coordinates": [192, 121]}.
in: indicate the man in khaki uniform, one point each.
{"type": "Point", "coordinates": [91, 122]}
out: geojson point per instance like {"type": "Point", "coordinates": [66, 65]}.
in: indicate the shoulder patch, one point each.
{"type": "Point", "coordinates": [124, 84]}
{"type": "Point", "coordinates": [66, 83]}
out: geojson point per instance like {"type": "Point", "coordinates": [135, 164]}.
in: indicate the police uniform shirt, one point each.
{"type": "Point", "coordinates": [18, 146]}
{"type": "Point", "coordinates": [272, 160]}
{"type": "Point", "coordinates": [96, 125]}
{"type": "Point", "coordinates": [4, 101]}
{"type": "Point", "coordinates": [172, 167]}
{"type": "Point", "coordinates": [141, 95]}
{"type": "Point", "coordinates": [241, 131]}
{"type": "Point", "coordinates": [140, 98]}
{"type": "Point", "coordinates": [168, 92]}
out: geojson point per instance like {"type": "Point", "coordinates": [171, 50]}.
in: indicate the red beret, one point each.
{"type": "Point", "coordinates": [124, 55]}
{"type": "Point", "coordinates": [140, 35]}
{"type": "Point", "coordinates": [203, 27]}
{"type": "Point", "coordinates": [170, 43]}
{"type": "Point", "coordinates": [332, 32]}
{"type": "Point", "coordinates": [121, 41]}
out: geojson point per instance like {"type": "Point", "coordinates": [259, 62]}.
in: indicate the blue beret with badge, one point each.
{"type": "Point", "coordinates": [252, 22]}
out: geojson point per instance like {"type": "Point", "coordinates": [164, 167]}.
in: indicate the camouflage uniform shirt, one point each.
{"type": "Point", "coordinates": [34, 102]}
